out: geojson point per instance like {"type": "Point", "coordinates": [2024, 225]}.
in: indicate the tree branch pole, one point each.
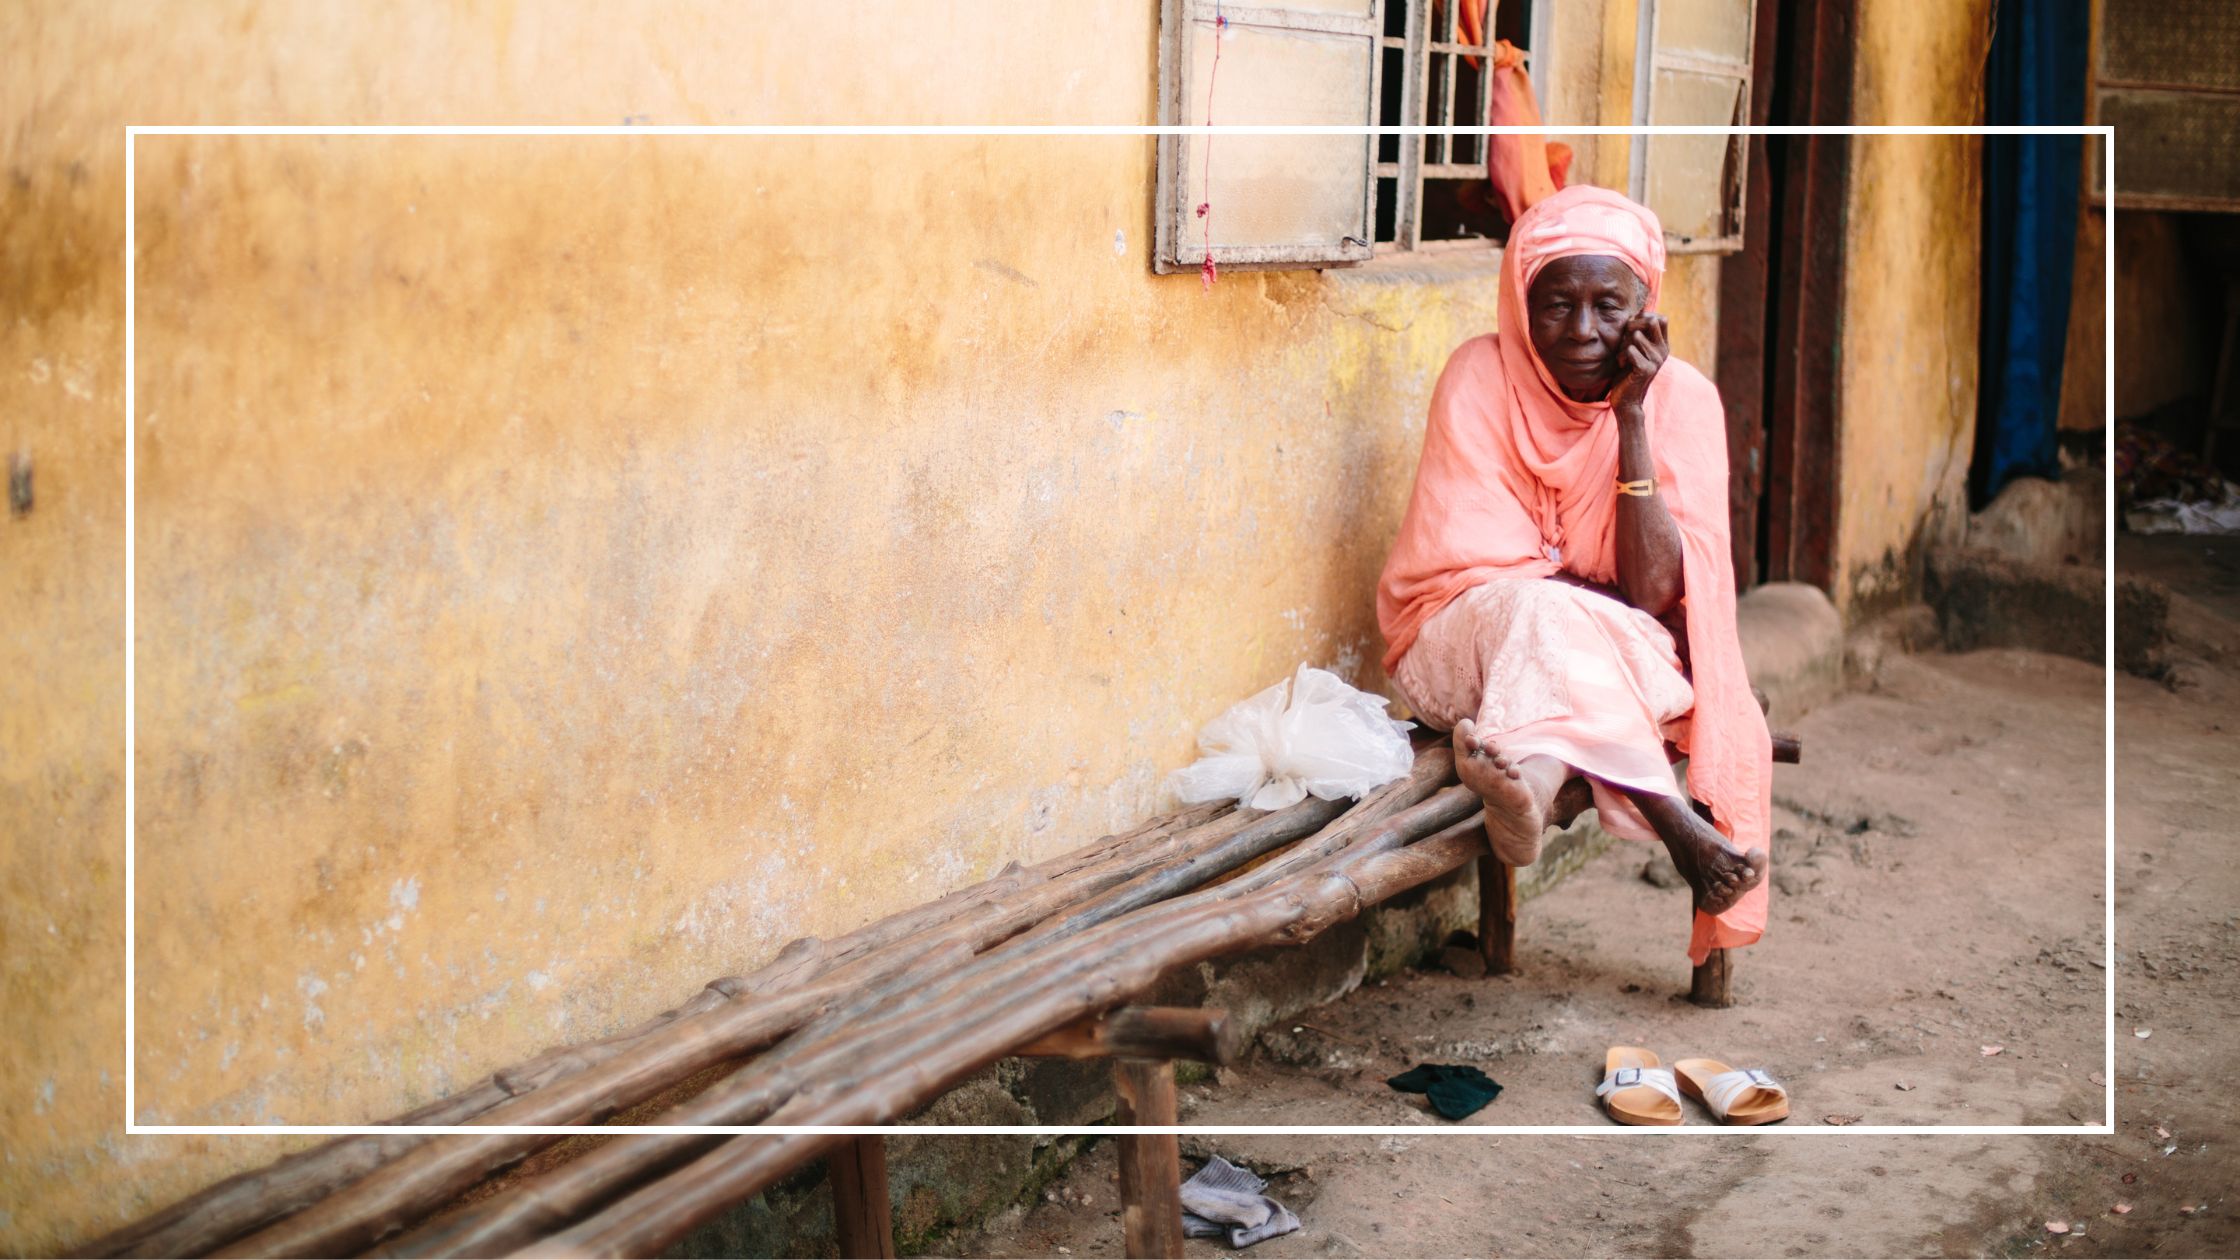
{"type": "Point", "coordinates": [1105, 965]}
{"type": "Point", "coordinates": [955, 999]}
{"type": "Point", "coordinates": [563, 1193]}
{"type": "Point", "coordinates": [382, 1202]}
{"type": "Point", "coordinates": [248, 1200]}
{"type": "Point", "coordinates": [902, 1041]}
{"type": "Point", "coordinates": [813, 957]}
{"type": "Point", "coordinates": [240, 1204]}
{"type": "Point", "coordinates": [1432, 770]}
{"type": "Point", "coordinates": [1097, 971]}
{"type": "Point", "coordinates": [428, 1175]}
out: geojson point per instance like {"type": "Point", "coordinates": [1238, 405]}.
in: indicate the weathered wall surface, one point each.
{"type": "Point", "coordinates": [569, 568]}
{"type": "Point", "coordinates": [1910, 298]}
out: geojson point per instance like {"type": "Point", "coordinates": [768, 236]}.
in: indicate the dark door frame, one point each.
{"type": "Point", "coordinates": [1781, 300]}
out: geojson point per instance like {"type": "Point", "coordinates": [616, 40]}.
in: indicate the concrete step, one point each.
{"type": "Point", "coordinates": [1792, 644]}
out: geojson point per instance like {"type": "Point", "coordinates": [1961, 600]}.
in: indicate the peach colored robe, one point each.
{"type": "Point", "coordinates": [1517, 482]}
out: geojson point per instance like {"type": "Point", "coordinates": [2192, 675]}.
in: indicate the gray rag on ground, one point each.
{"type": "Point", "coordinates": [1224, 1201]}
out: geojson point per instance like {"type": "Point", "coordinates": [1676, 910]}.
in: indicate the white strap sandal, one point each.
{"type": "Point", "coordinates": [1747, 1096]}
{"type": "Point", "coordinates": [1637, 1089]}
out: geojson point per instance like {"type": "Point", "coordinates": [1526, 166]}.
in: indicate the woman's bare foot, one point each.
{"type": "Point", "coordinates": [1517, 794]}
{"type": "Point", "coordinates": [1718, 872]}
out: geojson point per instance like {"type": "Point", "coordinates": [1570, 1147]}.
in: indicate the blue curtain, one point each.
{"type": "Point", "coordinates": [2035, 76]}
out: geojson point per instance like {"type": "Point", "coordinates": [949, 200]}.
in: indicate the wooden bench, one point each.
{"type": "Point", "coordinates": [863, 1030]}
{"type": "Point", "coordinates": [1144, 1042]}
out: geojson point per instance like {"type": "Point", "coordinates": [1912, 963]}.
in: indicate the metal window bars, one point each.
{"type": "Point", "coordinates": [1441, 88]}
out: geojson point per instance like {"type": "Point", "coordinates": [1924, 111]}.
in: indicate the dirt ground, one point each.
{"type": "Point", "coordinates": [1940, 875]}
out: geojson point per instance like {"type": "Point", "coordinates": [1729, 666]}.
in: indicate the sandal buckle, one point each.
{"type": "Point", "coordinates": [1627, 1076]}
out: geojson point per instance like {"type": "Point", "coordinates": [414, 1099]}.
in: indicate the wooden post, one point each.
{"type": "Point", "coordinates": [860, 1210]}
{"type": "Point", "coordinates": [1150, 1163]}
{"type": "Point", "coordinates": [1497, 914]}
{"type": "Point", "coordinates": [1711, 980]}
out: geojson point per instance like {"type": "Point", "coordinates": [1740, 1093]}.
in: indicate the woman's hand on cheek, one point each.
{"type": "Point", "coordinates": [1640, 355]}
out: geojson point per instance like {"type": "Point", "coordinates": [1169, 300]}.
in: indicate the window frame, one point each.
{"type": "Point", "coordinates": [1648, 58]}
{"type": "Point", "coordinates": [1417, 46]}
{"type": "Point", "coordinates": [1178, 20]}
{"type": "Point", "coordinates": [1182, 21]}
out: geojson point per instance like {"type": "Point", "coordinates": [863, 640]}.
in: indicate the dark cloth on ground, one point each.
{"type": "Point", "coordinates": [1456, 1092]}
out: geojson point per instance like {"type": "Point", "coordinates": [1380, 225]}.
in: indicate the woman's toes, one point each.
{"type": "Point", "coordinates": [1751, 869]}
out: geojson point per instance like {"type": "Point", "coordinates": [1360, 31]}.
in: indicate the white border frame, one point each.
{"type": "Point", "coordinates": [2108, 1067]}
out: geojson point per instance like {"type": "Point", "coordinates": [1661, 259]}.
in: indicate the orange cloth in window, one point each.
{"type": "Point", "coordinates": [1518, 481]}
{"type": "Point", "coordinates": [1522, 168]}
{"type": "Point", "coordinates": [1472, 18]}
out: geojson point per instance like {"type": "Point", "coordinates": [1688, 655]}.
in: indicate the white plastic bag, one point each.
{"type": "Point", "coordinates": [1312, 733]}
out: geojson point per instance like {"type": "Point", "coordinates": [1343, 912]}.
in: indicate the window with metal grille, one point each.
{"type": "Point", "coordinates": [1330, 200]}
{"type": "Point", "coordinates": [1431, 190]}
{"type": "Point", "coordinates": [1292, 201]}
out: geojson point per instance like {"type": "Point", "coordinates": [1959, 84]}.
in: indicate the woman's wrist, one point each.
{"type": "Point", "coordinates": [1630, 414]}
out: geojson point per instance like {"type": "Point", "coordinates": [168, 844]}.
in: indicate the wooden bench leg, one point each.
{"type": "Point", "coordinates": [1150, 1163]}
{"type": "Point", "coordinates": [1497, 914]}
{"type": "Point", "coordinates": [1710, 986]}
{"type": "Point", "coordinates": [860, 1209]}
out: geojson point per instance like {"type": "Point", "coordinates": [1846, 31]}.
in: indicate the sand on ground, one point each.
{"type": "Point", "coordinates": [1941, 871]}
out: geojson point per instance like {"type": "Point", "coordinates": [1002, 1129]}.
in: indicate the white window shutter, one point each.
{"type": "Point", "coordinates": [1692, 68]}
{"type": "Point", "coordinates": [1270, 201]}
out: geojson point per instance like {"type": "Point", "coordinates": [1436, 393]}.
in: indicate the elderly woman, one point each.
{"type": "Point", "coordinates": [1570, 506]}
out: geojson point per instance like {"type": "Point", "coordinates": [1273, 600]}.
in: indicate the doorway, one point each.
{"type": "Point", "coordinates": [1781, 300]}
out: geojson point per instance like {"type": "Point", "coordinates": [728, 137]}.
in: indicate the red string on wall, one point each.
{"type": "Point", "coordinates": [1207, 272]}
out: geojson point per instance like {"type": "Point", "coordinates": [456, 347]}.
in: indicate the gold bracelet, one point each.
{"type": "Point", "coordinates": [1639, 489]}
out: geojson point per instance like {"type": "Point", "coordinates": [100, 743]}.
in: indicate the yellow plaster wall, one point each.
{"type": "Point", "coordinates": [1910, 298]}
{"type": "Point", "coordinates": [570, 568]}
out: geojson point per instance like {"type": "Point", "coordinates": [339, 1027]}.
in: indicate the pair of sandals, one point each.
{"type": "Point", "coordinates": [1638, 1089]}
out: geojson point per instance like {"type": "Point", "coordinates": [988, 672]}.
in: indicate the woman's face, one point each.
{"type": "Point", "coordinates": [1579, 308]}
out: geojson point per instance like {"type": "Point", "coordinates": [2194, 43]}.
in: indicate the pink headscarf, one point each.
{"type": "Point", "coordinates": [1519, 480]}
